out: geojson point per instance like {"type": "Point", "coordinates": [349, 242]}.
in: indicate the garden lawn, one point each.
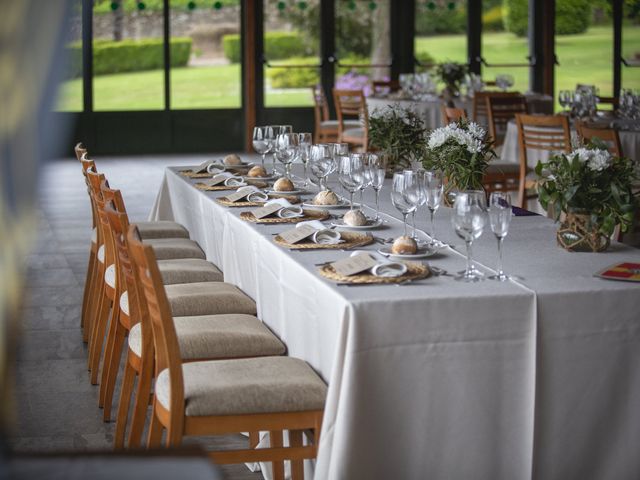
{"type": "Point", "coordinates": [585, 58]}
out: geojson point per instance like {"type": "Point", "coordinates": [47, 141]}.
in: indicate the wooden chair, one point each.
{"type": "Point", "coordinates": [450, 114]}
{"type": "Point", "coordinates": [385, 87]}
{"type": "Point", "coordinates": [80, 150]}
{"type": "Point", "coordinates": [480, 114]}
{"type": "Point", "coordinates": [607, 135]}
{"type": "Point", "coordinates": [550, 133]}
{"type": "Point", "coordinates": [352, 103]}
{"type": "Point", "coordinates": [245, 395]}
{"type": "Point", "coordinates": [500, 111]}
{"type": "Point", "coordinates": [205, 337]}
{"type": "Point", "coordinates": [326, 129]}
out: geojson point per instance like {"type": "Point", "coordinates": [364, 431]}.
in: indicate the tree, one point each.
{"type": "Point", "coordinates": [118, 20]}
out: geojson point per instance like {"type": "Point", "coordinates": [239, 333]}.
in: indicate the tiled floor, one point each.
{"type": "Point", "coordinates": [57, 407]}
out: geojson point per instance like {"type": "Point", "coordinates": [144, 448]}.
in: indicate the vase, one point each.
{"type": "Point", "coordinates": [580, 233]}
{"type": "Point", "coordinates": [451, 189]}
{"type": "Point", "coordinates": [449, 94]}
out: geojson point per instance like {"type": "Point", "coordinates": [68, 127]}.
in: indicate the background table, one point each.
{"type": "Point", "coordinates": [525, 379]}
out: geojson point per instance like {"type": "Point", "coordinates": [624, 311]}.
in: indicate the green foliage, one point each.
{"type": "Point", "coordinates": [278, 45]}
{"type": "Point", "coordinates": [492, 19]}
{"type": "Point", "coordinates": [572, 16]}
{"type": "Point", "coordinates": [399, 133]}
{"type": "Point", "coordinates": [569, 184]}
{"type": "Point", "coordinates": [452, 74]}
{"type": "Point", "coordinates": [104, 6]}
{"type": "Point", "coordinates": [128, 55]}
{"type": "Point", "coordinates": [441, 21]}
{"type": "Point", "coordinates": [307, 77]}
{"type": "Point", "coordinates": [425, 58]}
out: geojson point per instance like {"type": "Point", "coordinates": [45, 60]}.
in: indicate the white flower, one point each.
{"type": "Point", "coordinates": [476, 130]}
{"type": "Point", "coordinates": [596, 160]}
{"type": "Point", "coordinates": [464, 137]}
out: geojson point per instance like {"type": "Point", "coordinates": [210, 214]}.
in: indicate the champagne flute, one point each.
{"type": "Point", "coordinates": [304, 142]}
{"type": "Point", "coordinates": [468, 221]}
{"type": "Point", "coordinates": [433, 189]}
{"type": "Point", "coordinates": [263, 139]}
{"type": "Point", "coordinates": [287, 151]}
{"type": "Point", "coordinates": [351, 174]}
{"type": "Point", "coordinates": [402, 186]}
{"type": "Point", "coordinates": [500, 218]}
{"type": "Point", "coordinates": [322, 163]}
{"type": "Point", "coordinates": [417, 197]}
{"type": "Point", "coordinates": [376, 174]}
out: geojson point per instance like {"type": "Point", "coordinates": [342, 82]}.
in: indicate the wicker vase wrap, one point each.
{"type": "Point", "coordinates": [579, 233]}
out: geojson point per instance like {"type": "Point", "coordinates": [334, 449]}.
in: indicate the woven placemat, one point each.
{"type": "Point", "coordinates": [308, 215]}
{"type": "Point", "coordinates": [190, 174]}
{"type": "Point", "coordinates": [351, 240]}
{"type": "Point", "coordinates": [215, 188]}
{"type": "Point", "coordinates": [415, 271]}
{"type": "Point", "coordinates": [223, 201]}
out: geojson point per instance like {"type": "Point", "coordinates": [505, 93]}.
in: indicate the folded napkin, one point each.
{"type": "Point", "coordinates": [287, 210]}
{"type": "Point", "coordinates": [215, 168]}
{"type": "Point", "coordinates": [322, 236]}
{"type": "Point", "coordinates": [252, 194]}
{"type": "Point", "coordinates": [234, 181]}
{"type": "Point", "coordinates": [384, 267]}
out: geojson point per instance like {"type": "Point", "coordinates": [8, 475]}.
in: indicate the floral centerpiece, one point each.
{"type": "Point", "coordinates": [461, 151]}
{"type": "Point", "coordinates": [452, 75]}
{"type": "Point", "coordinates": [400, 136]}
{"type": "Point", "coordinates": [593, 190]}
{"type": "Point", "coordinates": [353, 80]}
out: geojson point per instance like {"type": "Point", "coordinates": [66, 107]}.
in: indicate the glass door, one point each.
{"type": "Point", "coordinates": [631, 46]}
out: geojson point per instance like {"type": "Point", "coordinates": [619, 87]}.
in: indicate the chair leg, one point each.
{"type": "Point", "coordinates": [97, 339]}
{"type": "Point", "coordinates": [108, 349]}
{"type": "Point", "coordinates": [94, 300]}
{"type": "Point", "coordinates": [112, 368]}
{"type": "Point", "coordinates": [297, 466]}
{"type": "Point", "coordinates": [87, 293]}
{"type": "Point", "coordinates": [140, 407]}
{"type": "Point", "coordinates": [123, 406]}
{"type": "Point", "coordinates": [275, 440]}
{"type": "Point", "coordinates": [154, 439]}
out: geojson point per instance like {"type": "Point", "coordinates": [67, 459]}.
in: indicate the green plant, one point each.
{"type": "Point", "coordinates": [452, 74]}
{"type": "Point", "coordinates": [307, 77]}
{"type": "Point", "coordinates": [441, 20]}
{"type": "Point", "coordinates": [492, 19]}
{"type": "Point", "coordinates": [104, 6]}
{"type": "Point", "coordinates": [278, 45]}
{"type": "Point", "coordinates": [590, 180]}
{"type": "Point", "coordinates": [399, 133]}
{"type": "Point", "coordinates": [572, 16]}
{"type": "Point", "coordinates": [461, 151]}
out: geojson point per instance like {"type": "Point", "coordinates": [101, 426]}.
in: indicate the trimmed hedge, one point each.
{"type": "Point", "coordinates": [278, 45]}
{"type": "Point", "coordinates": [127, 55]}
{"type": "Point", "coordinates": [492, 19]}
{"type": "Point", "coordinates": [572, 16]}
{"type": "Point", "coordinates": [307, 77]}
{"type": "Point", "coordinates": [442, 21]}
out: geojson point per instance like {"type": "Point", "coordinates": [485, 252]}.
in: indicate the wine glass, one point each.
{"type": "Point", "coordinates": [418, 198]}
{"type": "Point", "coordinates": [563, 99]}
{"type": "Point", "coordinates": [364, 158]}
{"type": "Point", "coordinates": [499, 218]}
{"type": "Point", "coordinates": [351, 174]}
{"type": "Point", "coordinates": [321, 162]}
{"type": "Point", "coordinates": [375, 175]}
{"type": "Point", "coordinates": [339, 149]}
{"type": "Point", "coordinates": [468, 221]}
{"type": "Point", "coordinates": [433, 187]}
{"type": "Point", "coordinates": [287, 150]}
{"type": "Point", "coordinates": [403, 189]}
{"type": "Point", "coordinates": [263, 140]}
{"type": "Point", "coordinates": [304, 143]}
{"type": "Point", "coordinates": [278, 130]}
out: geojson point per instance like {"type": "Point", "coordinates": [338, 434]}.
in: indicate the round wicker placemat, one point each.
{"type": "Point", "coordinates": [190, 174]}
{"type": "Point", "coordinates": [215, 188]}
{"type": "Point", "coordinates": [415, 271]}
{"type": "Point", "coordinates": [351, 240]}
{"type": "Point", "coordinates": [308, 215]}
{"type": "Point", "coordinates": [223, 201]}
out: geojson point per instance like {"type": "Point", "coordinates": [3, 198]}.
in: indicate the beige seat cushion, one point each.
{"type": "Point", "coordinates": [170, 248]}
{"type": "Point", "coordinates": [353, 133]}
{"type": "Point", "coordinates": [501, 168]}
{"type": "Point", "coordinates": [100, 253]}
{"type": "Point", "coordinates": [110, 276]}
{"type": "Point", "coordinates": [218, 336]}
{"type": "Point", "coordinates": [188, 270]}
{"type": "Point", "coordinates": [246, 386]}
{"type": "Point", "coordinates": [161, 229]}
{"type": "Point", "coordinates": [94, 235]}
{"type": "Point", "coordinates": [208, 298]}
{"type": "Point", "coordinates": [347, 124]}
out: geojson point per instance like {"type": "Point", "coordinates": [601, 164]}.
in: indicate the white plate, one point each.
{"type": "Point", "coordinates": [341, 204]}
{"type": "Point", "coordinates": [261, 179]}
{"type": "Point", "coordinates": [291, 192]}
{"type": "Point", "coordinates": [369, 226]}
{"type": "Point", "coordinates": [423, 252]}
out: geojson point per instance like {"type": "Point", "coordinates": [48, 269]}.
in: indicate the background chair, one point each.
{"type": "Point", "coordinates": [326, 129]}
{"type": "Point", "coordinates": [352, 103]}
{"type": "Point", "coordinates": [451, 114]}
{"type": "Point", "coordinates": [608, 135]}
{"type": "Point", "coordinates": [480, 114]}
{"type": "Point", "coordinates": [500, 111]}
{"type": "Point", "coordinates": [385, 87]}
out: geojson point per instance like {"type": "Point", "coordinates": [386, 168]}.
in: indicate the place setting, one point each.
{"type": "Point", "coordinates": [314, 235]}
{"type": "Point", "coordinates": [252, 196]}
{"type": "Point", "coordinates": [222, 181]}
{"type": "Point", "coordinates": [232, 163]}
{"type": "Point", "coordinates": [279, 210]}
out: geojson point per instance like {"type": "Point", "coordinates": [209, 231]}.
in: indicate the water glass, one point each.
{"type": "Point", "coordinates": [351, 174]}
{"type": "Point", "coordinates": [376, 173]}
{"type": "Point", "coordinates": [305, 140]}
{"type": "Point", "coordinates": [500, 218]}
{"type": "Point", "coordinates": [263, 141]}
{"type": "Point", "coordinates": [287, 150]}
{"type": "Point", "coordinates": [404, 190]}
{"type": "Point", "coordinates": [433, 188]}
{"type": "Point", "coordinates": [321, 163]}
{"type": "Point", "coordinates": [468, 221]}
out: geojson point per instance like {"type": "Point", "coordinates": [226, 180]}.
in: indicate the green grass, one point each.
{"type": "Point", "coordinates": [585, 58]}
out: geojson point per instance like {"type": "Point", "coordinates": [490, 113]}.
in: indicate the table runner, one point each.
{"type": "Point", "coordinates": [441, 379]}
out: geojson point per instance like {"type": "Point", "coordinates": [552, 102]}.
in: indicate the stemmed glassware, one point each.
{"type": "Point", "coordinates": [375, 174]}
{"type": "Point", "coordinates": [351, 173]}
{"type": "Point", "coordinates": [287, 150]}
{"type": "Point", "coordinates": [364, 158]}
{"type": "Point", "coordinates": [504, 81]}
{"type": "Point", "coordinates": [263, 141]}
{"type": "Point", "coordinates": [500, 218]}
{"type": "Point", "coordinates": [278, 130]}
{"type": "Point", "coordinates": [468, 221]}
{"type": "Point", "coordinates": [433, 188]}
{"type": "Point", "coordinates": [305, 140]}
{"type": "Point", "coordinates": [565, 98]}
{"type": "Point", "coordinates": [404, 191]}
{"type": "Point", "coordinates": [321, 162]}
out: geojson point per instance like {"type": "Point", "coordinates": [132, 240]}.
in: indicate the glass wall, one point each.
{"type": "Point", "coordinates": [291, 41]}
{"type": "Point", "coordinates": [504, 41]}
{"type": "Point", "coordinates": [70, 92]}
{"type": "Point", "coordinates": [128, 58]}
{"type": "Point", "coordinates": [206, 47]}
{"type": "Point", "coordinates": [631, 45]}
{"type": "Point", "coordinates": [584, 46]}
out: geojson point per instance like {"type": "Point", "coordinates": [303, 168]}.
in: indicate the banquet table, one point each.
{"type": "Point", "coordinates": [533, 378]}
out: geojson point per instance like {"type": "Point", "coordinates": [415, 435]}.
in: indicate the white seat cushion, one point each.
{"type": "Point", "coordinates": [353, 132]}
{"type": "Point", "coordinates": [347, 124]}
{"type": "Point", "coordinates": [170, 248]}
{"type": "Point", "coordinates": [100, 254]}
{"type": "Point", "coordinates": [161, 229]}
{"type": "Point", "coordinates": [246, 386]}
{"type": "Point", "coordinates": [110, 276]}
{"type": "Point", "coordinates": [188, 270]}
{"type": "Point", "coordinates": [218, 336]}
{"type": "Point", "coordinates": [124, 303]}
{"type": "Point", "coordinates": [94, 235]}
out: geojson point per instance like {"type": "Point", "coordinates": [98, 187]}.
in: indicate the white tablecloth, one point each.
{"type": "Point", "coordinates": [515, 380]}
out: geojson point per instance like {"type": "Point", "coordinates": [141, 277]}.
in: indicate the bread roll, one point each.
{"type": "Point", "coordinates": [232, 159]}
{"type": "Point", "coordinates": [325, 197]}
{"type": "Point", "coordinates": [257, 171]}
{"type": "Point", "coordinates": [355, 218]}
{"type": "Point", "coordinates": [283, 185]}
{"type": "Point", "coordinates": [404, 246]}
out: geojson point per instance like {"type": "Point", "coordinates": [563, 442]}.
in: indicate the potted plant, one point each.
{"type": "Point", "coordinates": [591, 192]}
{"type": "Point", "coordinates": [461, 151]}
{"type": "Point", "coordinates": [399, 135]}
{"type": "Point", "coordinates": [452, 75]}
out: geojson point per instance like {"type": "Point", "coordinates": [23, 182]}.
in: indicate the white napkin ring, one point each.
{"type": "Point", "coordinates": [234, 182]}
{"type": "Point", "coordinates": [327, 237]}
{"type": "Point", "coordinates": [215, 168]}
{"type": "Point", "coordinates": [291, 212]}
{"type": "Point", "coordinates": [257, 197]}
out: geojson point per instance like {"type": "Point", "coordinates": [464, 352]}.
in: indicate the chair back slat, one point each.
{"type": "Point", "coordinates": [480, 113]}
{"type": "Point", "coordinates": [451, 114]}
{"type": "Point", "coordinates": [95, 181]}
{"type": "Point", "coordinates": [384, 87]}
{"type": "Point", "coordinates": [500, 111]}
{"type": "Point", "coordinates": [352, 103]}
{"type": "Point", "coordinates": [608, 135]}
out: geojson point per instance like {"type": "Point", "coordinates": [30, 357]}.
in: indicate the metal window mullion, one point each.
{"type": "Point", "coordinates": [87, 55]}
{"type": "Point", "coordinates": [328, 49]}
{"type": "Point", "coordinates": [167, 53]}
{"type": "Point", "coordinates": [617, 46]}
{"type": "Point", "coordinates": [474, 35]}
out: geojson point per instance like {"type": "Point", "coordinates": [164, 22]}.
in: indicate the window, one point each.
{"type": "Point", "coordinates": [631, 45]}
{"type": "Point", "coordinates": [70, 92]}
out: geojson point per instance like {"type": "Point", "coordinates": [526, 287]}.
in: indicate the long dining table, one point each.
{"type": "Point", "coordinates": [534, 378]}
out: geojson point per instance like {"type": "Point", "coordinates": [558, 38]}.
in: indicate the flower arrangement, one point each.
{"type": "Point", "coordinates": [355, 81]}
{"type": "Point", "coordinates": [452, 75]}
{"type": "Point", "coordinates": [399, 133]}
{"type": "Point", "coordinates": [462, 152]}
{"type": "Point", "coordinates": [591, 181]}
